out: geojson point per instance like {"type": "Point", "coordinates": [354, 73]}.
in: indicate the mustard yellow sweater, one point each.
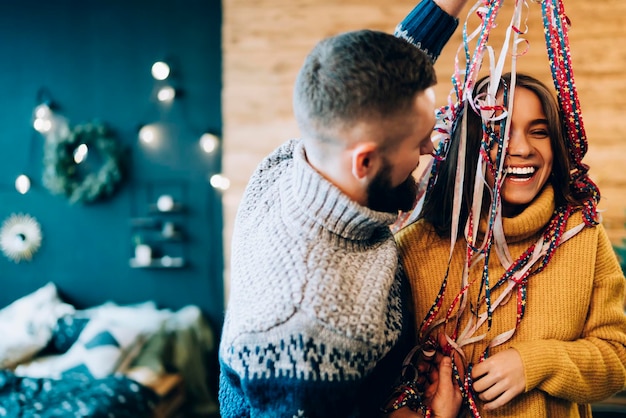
{"type": "Point", "coordinates": [572, 339]}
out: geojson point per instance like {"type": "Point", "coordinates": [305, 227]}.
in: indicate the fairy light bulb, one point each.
{"type": "Point", "coordinates": [160, 70]}
{"type": "Point", "coordinates": [43, 111]}
{"type": "Point", "coordinates": [209, 142]}
{"type": "Point", "coordinates": [219, 182]}
{"type": "Point", "coordinates": [42, 118]}
{"type": "Point", "coordinates": [166, 94]}
{"type": "Point", "coordinates": [148, 134]}
{"type": "Point", "coordinates": [80, 153]}
{"type": "Point", "coordinates": [165, 203]}
{"type": "Point", "coordinates": [22, 184]}
{"type": "Point", "coordinates": [42, 125]}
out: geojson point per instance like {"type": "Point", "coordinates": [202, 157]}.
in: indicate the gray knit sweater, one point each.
{"type": "Point", "coordinates": [314, 298]}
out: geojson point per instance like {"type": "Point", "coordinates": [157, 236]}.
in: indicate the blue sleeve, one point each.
{"type": "Point", "coordinates": [266, 397]}
{"type": "Point", "coordinates": [233, 403]}
{"type": "Point", "coordinates": [427, 27]}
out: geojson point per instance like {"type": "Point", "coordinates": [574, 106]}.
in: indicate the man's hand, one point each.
{"type": "Point", "coordinates": [441, 390]}
{"type": "Point", "coordinates": [499, 378]}
{"type": "Point", "coordinates": [405, 412]}
{"type": "Point", "coordinates": [442, 394]}
{"type": "Point", "coordinates": [446, 399]}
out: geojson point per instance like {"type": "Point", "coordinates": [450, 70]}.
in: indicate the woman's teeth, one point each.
{"type": "Point", "coordinates": [520, 171]}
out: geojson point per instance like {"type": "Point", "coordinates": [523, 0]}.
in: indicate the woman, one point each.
{"type": "Point", "coordinates": [531, 294]}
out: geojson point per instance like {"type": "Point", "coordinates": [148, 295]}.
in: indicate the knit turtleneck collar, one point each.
{"type": "Point", "coordinates": [531, 220]}
{"type": "Point", "coordinates": [312, 201]}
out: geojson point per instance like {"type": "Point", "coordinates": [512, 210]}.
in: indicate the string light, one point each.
{"type": "Point", "coordinates": [166, 94]}
{"type": "Point", "coordinates": [22, 184]}
{"type": "Point", "coordinates": [160, 70]}
{"type": "Point", "coordinates": [80, 153]}
{"type": "Point", "coordinates": [148, 134]}
{"type": "Point", "coordinates": [209, 142]}
{"type": "Point", "coordinates": [165, 203]}
{"type": "Point", "coordinates": [43, 111]}
{"type": "Point", "coordinates": [42, 118]}
{"type": "Point", "coordinates": [219, 182]}
{"type": "Point", "coordinates": [42, 125]}
{"type": "Point", "coordinates": [46, 121]}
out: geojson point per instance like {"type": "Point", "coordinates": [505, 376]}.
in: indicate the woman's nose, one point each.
{"type": "Point", "coordinates": [519, 145]}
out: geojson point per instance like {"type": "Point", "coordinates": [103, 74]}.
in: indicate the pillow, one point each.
{"type": "Point", "coordinates": [145, 316]}
{"type": "Point", "coordinates": [26, 324]}
{"type": "Point", "coordinates": [65, 333]}
{"type": "Point", "coordinates": [102, 349]}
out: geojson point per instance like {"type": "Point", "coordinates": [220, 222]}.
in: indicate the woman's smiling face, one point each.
{"type": "Point", "coordinates": [528, 161]}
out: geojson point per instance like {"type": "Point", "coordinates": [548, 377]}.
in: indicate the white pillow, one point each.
{"type": "Point", "coordinates": [26, 324]}
{"type": "Point", "coordinates": [102, 348]}
{"type": "Point", "coordinates": [146, 317]}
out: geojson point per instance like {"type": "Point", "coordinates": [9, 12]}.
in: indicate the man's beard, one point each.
{"type": "Point", "coordinates": [382, 197]}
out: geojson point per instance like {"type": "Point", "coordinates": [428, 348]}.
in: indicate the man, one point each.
{"type": "Point", "coordinates": [314, 326]}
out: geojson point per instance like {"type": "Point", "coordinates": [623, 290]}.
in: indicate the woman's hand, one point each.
{"type": "Point", "coordinates": [499, 378]}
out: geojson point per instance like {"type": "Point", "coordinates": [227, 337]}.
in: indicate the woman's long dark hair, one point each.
{"type": "Point", "coordinates": [437, 208]}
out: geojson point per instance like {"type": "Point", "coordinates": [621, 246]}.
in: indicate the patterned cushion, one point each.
{"type": "Point", "coordinates": [66, 333]}
{"type": "Point", "coordinates": [102, 349]}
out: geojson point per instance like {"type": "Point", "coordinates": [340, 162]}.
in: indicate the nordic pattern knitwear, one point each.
{"type": "Point", "coordinates": [572, 339]}
{"type": "Point", "coordinates": [314, 295]}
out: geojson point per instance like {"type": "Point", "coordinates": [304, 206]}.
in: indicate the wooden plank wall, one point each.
{"type": "Point", "coordinates": [265, 42]}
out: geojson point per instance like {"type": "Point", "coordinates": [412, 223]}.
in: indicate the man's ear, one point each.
{"type": "Point", "coordinates": [365, 156]}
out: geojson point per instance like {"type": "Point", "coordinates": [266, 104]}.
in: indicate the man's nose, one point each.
{"type": "Point", "coordinates": [428, 148]}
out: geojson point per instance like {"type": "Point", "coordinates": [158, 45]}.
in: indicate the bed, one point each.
{"type": "Point", "coordinates": [105, 361]}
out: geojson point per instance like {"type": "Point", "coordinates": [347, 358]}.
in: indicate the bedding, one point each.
{"type": "Point", "coordinates": [104, 361]}
{"type": "Point", "coordinates": [74, 396]}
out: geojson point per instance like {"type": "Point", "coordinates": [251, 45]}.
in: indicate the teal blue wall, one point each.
{"type": "Point", "coordinates": [94, 59]}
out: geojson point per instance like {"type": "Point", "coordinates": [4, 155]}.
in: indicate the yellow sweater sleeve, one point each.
{"type": "Point", "coordinates": [594, 366]}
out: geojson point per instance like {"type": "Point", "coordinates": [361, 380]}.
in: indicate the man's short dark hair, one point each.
{"type": "Point", "coordinates": [356, 75]}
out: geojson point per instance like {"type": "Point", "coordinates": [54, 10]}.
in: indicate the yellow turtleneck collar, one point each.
{"type": "Point", "coordinates": [531, 221]}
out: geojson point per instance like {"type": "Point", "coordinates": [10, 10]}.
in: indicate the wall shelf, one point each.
{"type": "Point", "coordinates": [160, 228]}
{"type": "Point", "coordinates": [177, 208]}
{"type": "Point", "coordinates": [163, 262]}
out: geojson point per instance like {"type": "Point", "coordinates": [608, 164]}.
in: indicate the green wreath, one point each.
{"type": "Point", "coordinates": [61, 174]}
